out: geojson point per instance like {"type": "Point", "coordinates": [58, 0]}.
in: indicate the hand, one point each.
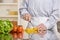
{"type": "Point", "coordinates": [27, 17]}
{"type": "Point", "coordinates": [42, 29]}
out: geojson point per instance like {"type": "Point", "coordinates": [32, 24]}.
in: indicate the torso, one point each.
{"type": "Point", "coordinates": [40, 7]}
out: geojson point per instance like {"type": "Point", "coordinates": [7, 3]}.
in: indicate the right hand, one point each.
{"type": "Point", "coordinates": [27, 17]}
{"type": "Point", "coordinates": [42, 30]}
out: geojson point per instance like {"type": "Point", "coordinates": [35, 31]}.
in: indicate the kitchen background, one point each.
{"type": "Point", "coordinates": [9, 10]}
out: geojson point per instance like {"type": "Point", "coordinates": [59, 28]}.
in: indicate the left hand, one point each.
{"type": "Point", "coordinates": [42, 29]}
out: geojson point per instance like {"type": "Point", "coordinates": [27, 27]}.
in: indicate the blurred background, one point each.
{"type": "Point", "coordinates": [9, 9]}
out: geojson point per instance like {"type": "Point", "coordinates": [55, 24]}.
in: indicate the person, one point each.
{"type": "Point", "coordinates": [41, 8]}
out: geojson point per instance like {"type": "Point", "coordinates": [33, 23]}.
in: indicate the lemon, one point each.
{"type": "Point", "coordinates": [29, 30]}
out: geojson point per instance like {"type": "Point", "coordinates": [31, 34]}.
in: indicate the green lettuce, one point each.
{"type": "Point", "coordinates": [5, 26]}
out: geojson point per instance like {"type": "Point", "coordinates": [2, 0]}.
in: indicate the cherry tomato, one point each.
{"type": "Point", "coordinates": [14, 35]}
{"type": "Point", "coordinates": [20, 29]}
{"type": "Point", "coordinates": [20, 35]}
{"type": "Point", "coordinates": [15, 28]}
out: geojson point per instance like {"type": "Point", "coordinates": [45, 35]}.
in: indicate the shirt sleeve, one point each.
{"type": "Point", "coordinates": [23, 7]}
{"type": "Point", "coordinates": [53, 18]}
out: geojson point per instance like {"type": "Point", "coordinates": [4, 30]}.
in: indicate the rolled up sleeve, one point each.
{"type": "Point", "coordinates": [23, 7]}
{"type": "Point", "coordinates": [53, 18]}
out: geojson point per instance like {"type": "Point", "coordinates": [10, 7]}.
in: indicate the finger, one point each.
{"type": "Point", "coordinates": [42, 26]}
{"type": "Point", "coordinates": [27, 18]}
{"type": "Point", "coordinates": [39, 27]}
{"type": "Point", "coordinates": [24, 18]}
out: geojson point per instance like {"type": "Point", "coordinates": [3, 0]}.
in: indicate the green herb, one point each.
{"type": "Point", "coordinates": [5, 37]}
{"type": "Point", "coordinates": [5, 26]}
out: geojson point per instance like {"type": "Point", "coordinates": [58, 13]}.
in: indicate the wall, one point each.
{"type": "Point", "coordinates": [4, 10]}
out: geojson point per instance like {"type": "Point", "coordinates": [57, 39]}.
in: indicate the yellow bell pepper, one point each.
{"type": "Point", "coordinates": [29, 30]}
{"type": "Point", "coordinates": [35, 30]}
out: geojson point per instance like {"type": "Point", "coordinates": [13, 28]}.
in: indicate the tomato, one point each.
{"type": "Point", "coordinates": [14, 35]}
{"type": "Point", "coordinates": [20, 35]}
{"type": "Point", "coordinates": [20, 29]}
{"type": "Point", "coordinates": [15, 28]}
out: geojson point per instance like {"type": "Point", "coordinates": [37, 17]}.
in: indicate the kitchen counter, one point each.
{"type": "Point", "coordinates": [26, 35]}
{"type": "Point", "coordinates": [10, 37]}
{"type": "Point", "coordinates": [14, 35]}
{"type": "Point", "coordinates": [17, 36]}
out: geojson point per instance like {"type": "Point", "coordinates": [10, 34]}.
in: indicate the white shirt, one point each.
{"type": "Point", "coordinates": [41, 8]}
{"type": "Point", "coordinates": [48, 36]}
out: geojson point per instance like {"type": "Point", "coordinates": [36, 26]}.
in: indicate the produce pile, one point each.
{"type": "Point", "coordinates": [20, 29]}
{"type": "Point", "coordinates": [5, 37]}
{"type": "Point", "coordinates": [5, 26]}
{"type": "Point", "coordinates": [17, 35]}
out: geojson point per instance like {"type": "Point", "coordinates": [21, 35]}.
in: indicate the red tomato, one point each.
{"type": "Point", "coordinates": [20, 35]}
{"type": "Point", "coordinates": [20, 29]}
{"type": "Point", "coordinates": [14, 35]}
{"type": "Point", "coordinates": [15, 28]}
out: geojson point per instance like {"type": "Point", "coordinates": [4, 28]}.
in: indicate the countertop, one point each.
{"type": "Point", "coordinates": [10, 36]}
